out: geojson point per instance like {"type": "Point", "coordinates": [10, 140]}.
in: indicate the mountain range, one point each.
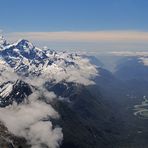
{"type": "Point", "coordinates": [51, 99]}
{"type": "Point", "coordinates": [31, 76]}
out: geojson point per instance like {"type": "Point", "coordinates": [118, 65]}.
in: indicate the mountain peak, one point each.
{"type": "Point", "coordinates": [24, 43]}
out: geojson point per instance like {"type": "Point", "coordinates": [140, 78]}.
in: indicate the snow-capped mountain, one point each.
{"type": "Point", "coordinates": [32, 81]}
{"type": "Point", "coordinates": [27, 60]}
{"type": "Point", "coordinates": [21, 61]}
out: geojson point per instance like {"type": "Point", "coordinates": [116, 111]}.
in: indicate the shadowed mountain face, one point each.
{"type": "Point", "coordinates": [84, 116]}
{"type": "Point", "coordinates": [131, 68]}
{"type": "Point", "coordinates": [133, 71]}
{"type": "Point", "coordinates": [17, 92]}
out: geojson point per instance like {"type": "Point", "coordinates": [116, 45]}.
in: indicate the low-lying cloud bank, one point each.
{"type": "Point", "coordinates": [129, 53]}
{"type": "Point", "coordinates": [31, 120]}
{"type": "Point", "coordinates": [92, 41]}
{"type": "Point", "coordinates": [95, 36]}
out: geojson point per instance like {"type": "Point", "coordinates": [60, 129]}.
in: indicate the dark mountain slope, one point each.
{"type": "Point", "coordinates": [86, 120]}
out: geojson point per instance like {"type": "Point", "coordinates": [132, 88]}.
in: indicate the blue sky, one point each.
{"type": "Point", "coordinates": [73, 16]}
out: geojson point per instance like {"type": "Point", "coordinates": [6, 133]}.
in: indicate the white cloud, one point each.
{"type": "Point", "coordinates": [129, 53]}
{"type": "Point", "coordinates": [26, 120]}
{"type": "Point", "coordinates": [144, 60]}
{"type": "Point", "coordinates": [81, 72]}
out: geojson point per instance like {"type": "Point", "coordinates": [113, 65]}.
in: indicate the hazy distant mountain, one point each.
{"type": "Point", "coordinates": [94, 60]}
{"type": "Point", "coordinates": [132, 68]}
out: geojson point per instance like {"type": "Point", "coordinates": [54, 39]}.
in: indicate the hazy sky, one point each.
{"type": "Point", "coordinates": [77, 24]}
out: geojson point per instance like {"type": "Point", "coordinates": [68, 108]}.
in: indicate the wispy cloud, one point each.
{"type": "Point", "coordinates": [96, 36]}
{"type": "Point", "coordinates": [130, 53]}
{"type": "Point", "coordinates": [95, 41]}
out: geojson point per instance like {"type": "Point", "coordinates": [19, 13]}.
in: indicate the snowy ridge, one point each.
{"type": "Point", "coordinates": [27, 60]}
